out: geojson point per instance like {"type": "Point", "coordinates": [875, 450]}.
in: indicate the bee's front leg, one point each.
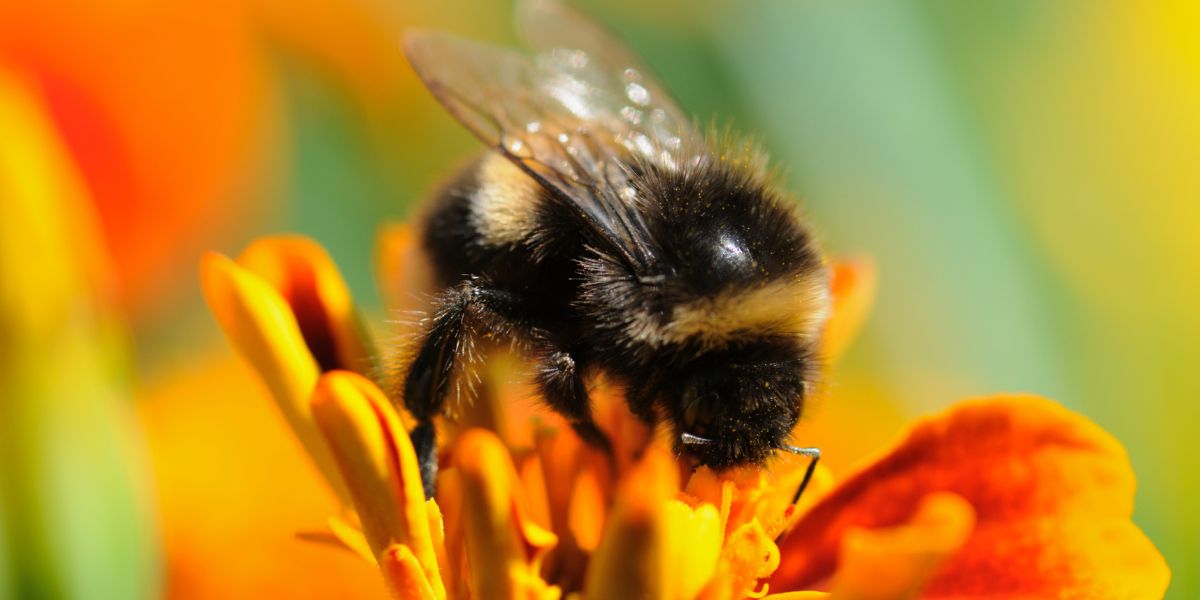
{"type": "Point", "coordinates": [463, 315]}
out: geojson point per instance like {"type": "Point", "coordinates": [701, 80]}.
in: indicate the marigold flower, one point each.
{"type": "Point", "coordinates": [1006, 496]}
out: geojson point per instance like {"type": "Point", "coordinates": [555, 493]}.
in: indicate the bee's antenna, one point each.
{"type": "Point", "coordinates": [694, 440]}
{"type": "Point", "coordinates": [815, 455]}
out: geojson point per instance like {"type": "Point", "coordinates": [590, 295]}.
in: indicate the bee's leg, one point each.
{"type": "Point", "coordinates": [463, 313]}
{"type": "Point", "coordinates": [561, 383]}
{"type": "Point", "coordinates": [641, 403]}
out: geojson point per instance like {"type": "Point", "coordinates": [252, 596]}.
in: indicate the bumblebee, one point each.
{"type": "Point", "coordinates": [604, 233]}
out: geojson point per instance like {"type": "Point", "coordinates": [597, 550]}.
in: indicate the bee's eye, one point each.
{"type": "Point", "coordinates": [732, 251]}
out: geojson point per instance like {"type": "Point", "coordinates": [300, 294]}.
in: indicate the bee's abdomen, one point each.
{"type": "Point", "coordinates": [448, 236]}
{"type": "Point", "coordinates": [487, 222]}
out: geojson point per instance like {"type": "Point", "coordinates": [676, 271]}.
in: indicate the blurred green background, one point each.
{"type": "Point", "coordinates": [1025, 174]}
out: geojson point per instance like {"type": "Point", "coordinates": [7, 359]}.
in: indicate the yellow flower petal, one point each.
{"type": "Point", "coordinates": [404, 575]}
{"type": "Point", "coordinates": [654, 546]}
{"type": "Point", "coordinates": [260, 324]}
{"type": "Point", "coordinates": [504, 546]}
{"type": "Point", "coordinates": [692, 545]}
{"type": "Point", "coordinates": [305, 277]}
{"type": "Point", "coordinates": [379, 466]}
{"type": "Point", "coordinates": [894, 563]}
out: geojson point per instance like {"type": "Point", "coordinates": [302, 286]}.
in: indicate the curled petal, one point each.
{"type": "Point", "coordinates": [853, 290]}
{"type": "Point", "coordinates": [302, 273]}
{"type": "Point", "coordinates": [886, 564]}
{"type": "Point", "coordinates": [379, 467]}
{"type": "Point", "coordinates": [504, 546]}
{"type": "Point", "coordinates": [262, 327]}
{"type": "Point", "coordinates": [1052, 494]}
{"type": "Point", "coordinates": [749, 555]}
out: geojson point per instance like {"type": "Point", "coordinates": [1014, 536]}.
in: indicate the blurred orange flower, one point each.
{"type": "Point", "coordinates": [161, 105]}
{"type": "Point", "coordinates": [171, 110]}
{"type": "Point", "coordinates": [1005, 496]}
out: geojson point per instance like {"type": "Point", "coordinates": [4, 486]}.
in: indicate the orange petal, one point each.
{"type": "Point", "coordinates": [504, 546]}
{"type": "Point", "coordinates": [585, 514]}
{"type": "Point", "coordinates": [629, 434]}
{"type": "Point", "coordinates": [885, 564]}
{"type": "Point", "coordinates": [261, 325]}
{"type": "Point", "coordinates": [379, 467]}
{"type": "Point", "coordinates": [533, 481]}
{"type": "Point", "coordinates": [560, 455]}
{"type": "Point", "coordinates": [302, 273]}
{"type": "Point", "coordinates": [853, 290]}
{"type": "Point", "coordinates": [653, 545]}
{"type": "Point", "coordinates": [450, 502]}
{"type": "Point", "coordinates": [404, 574]}
{"type": "Point", "coordinates": [1052, 493]}
{"type": "Point", "coordinates": [437, 532]}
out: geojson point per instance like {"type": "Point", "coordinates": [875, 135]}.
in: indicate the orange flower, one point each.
{"type": "Point", "coordinates": [162, 157]}
{"type": "Point", "coordinates": [1006, 496]}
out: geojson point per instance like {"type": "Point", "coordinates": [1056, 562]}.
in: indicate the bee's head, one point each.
{"type": "Point", "coordinates": [736, 408]}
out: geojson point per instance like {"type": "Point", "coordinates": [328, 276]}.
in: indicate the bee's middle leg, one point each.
{"type": "Point", "coordinates": [560, 380]}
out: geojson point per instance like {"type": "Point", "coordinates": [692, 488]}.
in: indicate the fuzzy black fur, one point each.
{"type": "Point", "coordinates": [567, 297]}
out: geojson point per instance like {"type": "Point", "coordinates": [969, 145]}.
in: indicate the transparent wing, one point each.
{"type": "Point", "coordinates": [548, 25]}
{"type": "Point", "coordinates": [576, 114]}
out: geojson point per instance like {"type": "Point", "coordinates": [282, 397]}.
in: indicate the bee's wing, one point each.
{"type": "Point", "coordinates": [573, 115]}
{"type": "Point", "coordinates": [548, 25]}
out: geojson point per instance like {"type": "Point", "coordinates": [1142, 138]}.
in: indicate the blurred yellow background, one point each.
{"type": "Point", "coordinates": [1025, 174]}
